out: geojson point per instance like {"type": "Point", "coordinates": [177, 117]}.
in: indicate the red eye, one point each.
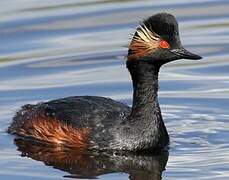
{"type": "Point", "coordinates": [164, 44]}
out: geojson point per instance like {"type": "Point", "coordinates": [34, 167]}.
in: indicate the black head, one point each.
{"type": "Point", "coordinates": [157, 40]}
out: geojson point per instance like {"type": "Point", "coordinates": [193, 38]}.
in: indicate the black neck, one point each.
{"type": "Point", "coordinates": [146, 114]}
{"type": "Point", "coordinates": [145, 84]}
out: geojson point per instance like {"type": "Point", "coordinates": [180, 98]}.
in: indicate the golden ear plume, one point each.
{"type": "Point", "coordinates": [144, 42]}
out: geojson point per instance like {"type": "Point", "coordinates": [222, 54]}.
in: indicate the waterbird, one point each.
{"type": "Point", "coordinates": [98, 123]}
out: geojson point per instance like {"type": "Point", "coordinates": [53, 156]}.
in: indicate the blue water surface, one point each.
{"type": "Point", "coordinates": [52, 49]}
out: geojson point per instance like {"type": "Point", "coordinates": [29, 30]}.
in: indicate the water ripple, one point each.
{"type": "Point", "coordinates": [53, 49]}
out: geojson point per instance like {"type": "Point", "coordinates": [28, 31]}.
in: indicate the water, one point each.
{"type": "Point", "coordinates": [52, 49]}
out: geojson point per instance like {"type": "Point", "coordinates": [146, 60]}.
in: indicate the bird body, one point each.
{"type": "Point", "coordinates": [98, 123]}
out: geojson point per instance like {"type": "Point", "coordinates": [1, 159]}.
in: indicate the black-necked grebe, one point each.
{"type": "Point", "coordinates": [98, 123]}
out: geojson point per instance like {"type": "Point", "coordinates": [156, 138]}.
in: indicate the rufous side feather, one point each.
{"type": "Point", "coordinates": [54, 132]}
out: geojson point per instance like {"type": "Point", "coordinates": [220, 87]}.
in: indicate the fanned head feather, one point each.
{"type": "Point", "coordinates": [144, 42]}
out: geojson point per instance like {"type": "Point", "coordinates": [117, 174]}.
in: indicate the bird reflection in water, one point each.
{"type": "Point", "coordinates": [90, 165]}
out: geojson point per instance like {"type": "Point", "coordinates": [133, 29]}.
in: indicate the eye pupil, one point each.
{"type": "Point", "coordinates": [164, 44]}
